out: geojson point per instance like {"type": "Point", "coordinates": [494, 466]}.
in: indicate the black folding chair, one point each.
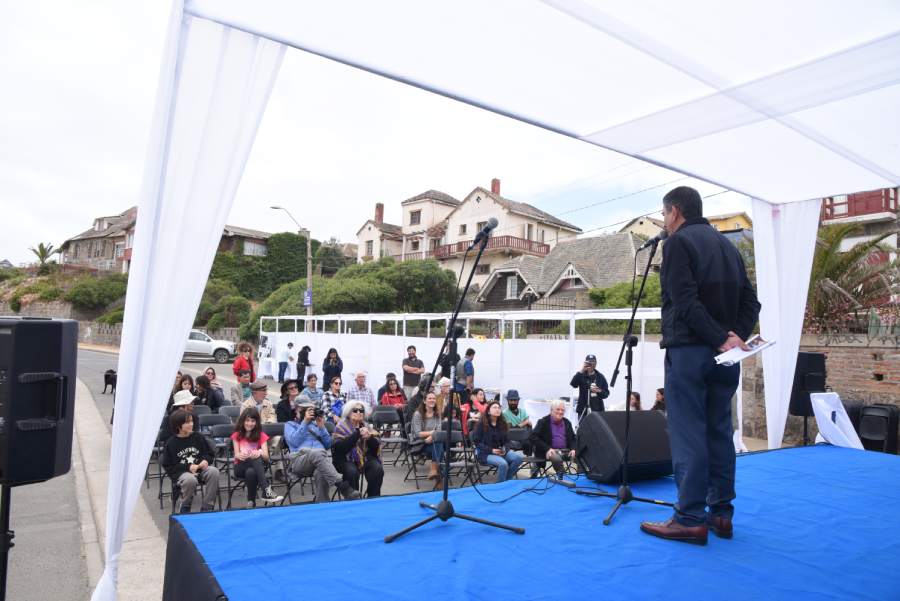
{"type": "Point", "coordinates": [232, 411]}
{"type": "Point", "coordinates": [206, 421]}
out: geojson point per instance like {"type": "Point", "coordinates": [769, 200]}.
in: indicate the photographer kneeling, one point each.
{"type": "Point", "coordinates": [356, 450]}
{"type": "Point", "coordinates": [308, 440]}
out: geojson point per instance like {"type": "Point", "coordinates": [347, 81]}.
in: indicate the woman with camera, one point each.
{"type": "Point", "coordinates": [355, 449]}
{"type": "Point", "coordinates": [491, 439]}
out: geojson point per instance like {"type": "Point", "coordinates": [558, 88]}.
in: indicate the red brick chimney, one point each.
{"type": "Point", "coordinates": [379, 212]}
{"type": "Point", "coordinates": [495, 186]}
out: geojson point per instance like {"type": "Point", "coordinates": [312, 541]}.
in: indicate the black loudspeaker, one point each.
{"type": "Point", "coordinates": [37, 394]}
{"type": "Point", "coordinates": [809, 376]}
{"type": "Point", "coordinates": [601, 443]}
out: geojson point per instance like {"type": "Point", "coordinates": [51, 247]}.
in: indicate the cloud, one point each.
{"type": "Point", "coordinates": [333, 142]}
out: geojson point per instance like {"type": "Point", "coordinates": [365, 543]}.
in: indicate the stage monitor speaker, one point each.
{"type": "Point", "coordinates": [809, 376]}
{"type": "Point", "coordinates": [37, 393]}
{"type": "Point", "coordinates": [601, 444]}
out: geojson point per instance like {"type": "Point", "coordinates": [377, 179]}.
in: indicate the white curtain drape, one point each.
{"type": "Point", "coordinates": [214, 86]}
{"type": "Point", "coordinates": [784, 243]}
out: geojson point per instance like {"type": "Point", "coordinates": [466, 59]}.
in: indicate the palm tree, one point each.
{"type": "Point", "coordinates": [43, 252]}
{"type": "Point", "coordinates": [841, 283]}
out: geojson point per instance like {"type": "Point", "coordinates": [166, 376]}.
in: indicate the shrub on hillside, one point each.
{"type": "Point", "coordinates": [230, 312]}
{"type": "Point", "coordinates": [92, 292]}
{"type": "Point", "coordinates": [112, 317]}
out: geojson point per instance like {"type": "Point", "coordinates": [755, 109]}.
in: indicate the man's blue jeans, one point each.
{"type": "Point", "coordinates": [698, 407]}
{"type": "Point", "coordinates": [506, 464]}
{"type": "Point", "coordinates": [282, 367]}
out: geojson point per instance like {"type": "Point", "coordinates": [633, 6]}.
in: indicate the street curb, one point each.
{"type": "Point", "coordinates": [90, 534]}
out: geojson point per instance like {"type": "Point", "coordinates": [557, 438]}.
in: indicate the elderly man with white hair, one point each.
{"type": "Point", "coordinates": [360, 392]}
{"type": "Point", "coordinates": [553, 437]}
{"type": "Point", "coordinates": [443, 397]}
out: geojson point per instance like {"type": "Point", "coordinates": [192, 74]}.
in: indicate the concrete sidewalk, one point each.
{"type": "Point", "coordinates": [142, 562]}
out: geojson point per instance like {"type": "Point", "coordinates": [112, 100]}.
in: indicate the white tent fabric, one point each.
{"type": "Point", "coordinates": [781, 101]}
{"type": "Point", "coordinates": [763, 97]}
{"type": "Point", "coordinates": [784, 242]}
{"type": "Point", "coordinates": [214, 86]}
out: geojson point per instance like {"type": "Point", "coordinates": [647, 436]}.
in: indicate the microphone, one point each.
{"type": "Point", "coordinates": [485, 232]}
{"type": "Point", "coordinates": [655, 240]}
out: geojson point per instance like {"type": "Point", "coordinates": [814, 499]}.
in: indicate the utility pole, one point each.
{"type": "Point", "coordinates": [304, 232]}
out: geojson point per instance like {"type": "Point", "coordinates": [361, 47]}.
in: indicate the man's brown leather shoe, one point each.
{"type": "Point", "coordinates": [672, 530]}
{"type": "Point", "coordinates": [721, 526]}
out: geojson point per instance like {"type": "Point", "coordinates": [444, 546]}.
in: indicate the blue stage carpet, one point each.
{"type": "Point", "coordinates": [811, 523]}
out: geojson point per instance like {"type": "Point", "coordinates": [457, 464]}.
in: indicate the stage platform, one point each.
{"type": "Point", "coordinates": [817, 523]}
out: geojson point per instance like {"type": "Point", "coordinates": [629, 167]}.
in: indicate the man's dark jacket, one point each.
{"type": "Point", "coordinates": [705, 289]}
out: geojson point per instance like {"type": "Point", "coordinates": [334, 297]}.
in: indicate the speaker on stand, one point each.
{"type": "Point", "coordinates": [809, 376]}
{"type": "Point", "coordinates": [37, 394]}
{"type": "Point", "coordinates": [600, 446]}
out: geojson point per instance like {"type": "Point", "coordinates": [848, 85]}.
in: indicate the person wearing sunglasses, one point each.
{"type": "Point", "coordinates": [355, 449]}
{"type": "Point", "coordinates": [284, 410]}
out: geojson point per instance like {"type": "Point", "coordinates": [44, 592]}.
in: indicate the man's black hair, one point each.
{"type": "Point", "coordinates": [687, 200]}
{"type": "Point", "coordinates": [470, 352]}
{"type": "Point", "coordinates": [203, 381]}
{"type": "Point", "coordinates": [412, 346]}
{"type": "Point", "coordinates": [178, 419]}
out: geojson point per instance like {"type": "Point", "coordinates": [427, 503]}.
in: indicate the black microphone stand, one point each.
{"type": "Point", "coordinates": [444, 510]}
{"type": "Point", "coordinates": [623, 495]}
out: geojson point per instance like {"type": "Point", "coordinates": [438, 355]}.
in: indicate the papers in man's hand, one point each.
{"type": "Point", "coordinates": [737, 354]}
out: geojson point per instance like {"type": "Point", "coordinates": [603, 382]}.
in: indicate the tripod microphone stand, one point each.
{"type": "Point", "coordinates": [623, 495]}
{"type": "Point", "coordinates": [444, 510]}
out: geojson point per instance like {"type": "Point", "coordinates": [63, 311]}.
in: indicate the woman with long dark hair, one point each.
{"type": "Point", "coordinates": [250, 455]}
{"type": "Point", "coordinates": [660, 404]}
{"type": "Point", "coordinates": [426, 420]}
{"type": "Point", "coordinates": [284, 410]}
{"type": "Point", "coordinates": [331, 368]}
{"type": "Point", "coordinates": [491, 440]}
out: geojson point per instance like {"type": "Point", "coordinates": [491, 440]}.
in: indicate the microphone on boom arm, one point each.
{"type": "Point", "coordinates": [485, 232]}
{"type": "Point", "coordinates": [655, 240]}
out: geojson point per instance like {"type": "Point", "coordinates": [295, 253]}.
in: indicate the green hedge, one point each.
{"type": "Point", "coordinates": [112, 317]}
{"type": "Point", "coordinates": [92, 292]}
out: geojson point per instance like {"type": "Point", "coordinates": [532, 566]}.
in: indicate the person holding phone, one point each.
{"type": "Point", "coordinates": [592, 387]}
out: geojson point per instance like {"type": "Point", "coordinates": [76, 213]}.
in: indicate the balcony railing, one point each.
{"type": "Point", "coordinates": [509, 243]}
{"type": "Point", "coordinates": [860, 204]}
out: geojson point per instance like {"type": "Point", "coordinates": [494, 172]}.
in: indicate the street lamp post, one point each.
{"type": "Point", "coordinates": [303, 232]}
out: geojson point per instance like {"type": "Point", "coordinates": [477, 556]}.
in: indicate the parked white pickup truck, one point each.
{"type": "Point", "coordinates": [201, 346]}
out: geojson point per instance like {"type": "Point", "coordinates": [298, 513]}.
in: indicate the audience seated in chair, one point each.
{"type": "Point", "coordinates": [491, 443]}
{"type": "Point", "coordinates": [187, 457]}
{"type": "Point", "coordinates": [209, 396]}
{"type": "Point", "coordinates": [356, 449]}
{"type": "Point", "coordinates": [393, 394]}
{"type": "Point", "coordinates": [183, 400]}
{"type": "Point", "coordinates": [284, 410]}
{"type": "Point", "coordinates": [426, 420]}
{"type": "Point", "coordinates": [250, 456]}
{"type": "Point", "coordinates": [553, 436]}
{"type": "Point", "coordinates": [308, 440]}
{"type": "Point", "coordinates": [240, 392]}
{"type": "Point", "coordinates": [259, 402]}
{"type": "Point", "coordinates": [311, 392]}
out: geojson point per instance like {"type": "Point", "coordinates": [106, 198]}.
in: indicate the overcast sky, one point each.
{"type": "Point", "coordinates": [79, 85]}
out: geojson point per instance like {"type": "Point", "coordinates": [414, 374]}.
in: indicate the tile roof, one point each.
{"type": "Point", "coordinates": [601, 260]}
{"type": "Point", "coordinates": [433, 195]}
{"type": "Point", "coordinates": [657, 222]}
{"type": "Point", "coordinates": [119, 224]}
{"type": "Point", "coordinates": [523, 208]}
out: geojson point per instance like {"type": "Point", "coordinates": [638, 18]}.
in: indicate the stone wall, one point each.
{"type": "Point", "coordinates": [863, 371]}
{"type": "Point", "coordinates": [58, 309]}
{"type": "Point", "coordinates": [92, 332]}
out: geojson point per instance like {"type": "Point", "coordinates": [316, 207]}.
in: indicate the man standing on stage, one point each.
{"type": "Point", "coordinates": [592, 387]}
{"type": "Point", "coordinates": [708, 307]}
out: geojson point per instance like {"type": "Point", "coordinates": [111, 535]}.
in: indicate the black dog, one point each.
{"type": "Point", "coordinates": [109, 380]}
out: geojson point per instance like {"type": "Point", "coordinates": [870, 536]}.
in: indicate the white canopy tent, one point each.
{"type": "Point", "coordinates": [785, 102]}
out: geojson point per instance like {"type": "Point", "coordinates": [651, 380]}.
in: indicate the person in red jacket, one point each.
{"type": "Point", "coordinates": [393, 396]}
{"type": "Point", "coordinates": [244, 360]}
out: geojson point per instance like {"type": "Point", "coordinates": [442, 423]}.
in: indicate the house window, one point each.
{"type": "Point", "coordinates": [737, 225]}
{"type": "Point", "coordinates": [415, 217]}
{"type": "Point", "coordinates": [414, 245]}
{"type": "Point", "coordinates": [129, 240]}
{"type": "Point", "coordinates": [462, 229]}
{"type": "Point", "coordinates": [512, 287]}
{"type": "Point", "coordinates": [254, 249]}
{"type": "Point", "coordinates": [369, 247]}
{"type": "Point", "coordinates": [120, 249]}
{"type": "Point", "coordinates": [480, 225]}
{"type": "Point", "coordinates": [483, 270]}
{"type": "Point", "coordinates": [435, 242]}
{"type": "Point", "coordinates": [543, 235]}
{"type": "Point", "coordinates": [529, 232]}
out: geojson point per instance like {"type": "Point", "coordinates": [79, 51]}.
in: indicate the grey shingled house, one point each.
{"type": "Point", "coordinates": [562, 279]}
